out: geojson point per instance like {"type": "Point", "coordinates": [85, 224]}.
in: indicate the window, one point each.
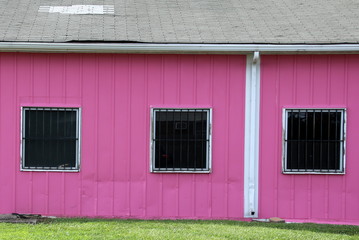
{"type": "Point", "coordinates": [181, 140]}
{"type": "Point", "coordinates": [314, 141]}
{"type": "Point", "coordinates": [50, 139]}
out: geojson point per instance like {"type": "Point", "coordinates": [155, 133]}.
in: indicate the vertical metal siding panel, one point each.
{"type": "Point", "coordinates": [23, 180]}
{"type": "Point", "coordinates": [303, 86]}
{"type": "Point", "coordinates": [122, 136]}
{"type": "Point", "coordinates": [105, 136]}
{"type": "Point", "coordinates": [32, 100]}
{"type": "Point", "coordinates": [55, 189]}
{"type": "Point", "coordinates": [40, 81]}
{"type": "Point", "coordinates": [147, 135]}
{"type": "Point", "coordinates": [7, 127]}
{"type": "Point", "coordinates": [40, 94]}
{"type": "Point", "coordinates": [171, 96]}
{"type": "Point", "coordinates": [301, 197]}
{"type": "Point", "coordinates": [155, 96]}
{"type": "Point", "coordinates": [337, 96]}
{"type": "Point", "coordinates": [15, 148]}
{"type": "Point", "coordinates": [72, 94]}
{"type": "Point", "coordinates": [56, 83]}
{"type": "Point", "coordinates": [79, 195]}
{"type": "Point", "coordinates": [186, 87]}
{"type": "Point", "coordinates": [303, 97]}
{"type": "Point", "coordinates": [219, 196]}
{"type": "Point", "coordinates": [138, 135]}
{"type": "Point", "coordinates": [311, 97]}
{"type": "Point", "coordinates": [171, 79]}
{"type": "Point", "coordinates": [320, 75]}
{"type": "Point", "coordinates": [195, 97]}
{"type": "Point", "coordinates": [202, 206]}
{"type": "Point", "coordinates": [192, 192]}
{"type": "Point", "coordinates": [72, 75]}
{"type": "Point", "coordinates": [235, 148]}
{"type": "Point", "coordinates": [285, 183]}
{"type": "Point", "coordinates": [203, 80]}
{"type": "Point", "coordinates": [56, 77]}
{"type": "Point", "coordinates": [352, 151]}
{"type": "Point", "coordinates": [337, 80]}
{"type": "Point", "coordinates": [24, 75]}
{"type": "Point", "coordinates": [320, 86]}
{"type": "Point", "coordinates": [344, 182]}
{"type": "Point", "coordinates": [186, 96]}
{"type": "Point", "coordinates": [335, 199]}
{"type": "Point", "coordinates": [89, 136]}
{"type": "Point", "coordinates": [269, 117]}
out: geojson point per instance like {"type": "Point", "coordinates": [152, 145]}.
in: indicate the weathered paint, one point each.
{"type": "Point", "coordinates": [308, 81]}
{"type": "Point", "coordinates": [115, 93]}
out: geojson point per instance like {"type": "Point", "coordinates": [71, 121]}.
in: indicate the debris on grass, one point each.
{"type": "Point", "coordinates": [276, 220]}
{"type": "Point", "coordinates": [260, 220]}
{"type": "Point", "coordinates": [272, 219]}
{"type": "Point", "coordinates": [22, 218]}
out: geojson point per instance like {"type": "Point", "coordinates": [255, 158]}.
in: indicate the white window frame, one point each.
{"type": "Point", "coordinates": [341, 169]}
{"type": "Point", "coordinates": [78, 142]}
{"type": "Point", "coordinates": [208, 168]}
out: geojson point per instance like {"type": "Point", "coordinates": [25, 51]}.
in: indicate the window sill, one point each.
{"type": "Point", "coordinates": [49, 170]}
{"type": "Point", "coordinates": [313, 173]}
{"type": "Point", "coordinates": [179, 171]}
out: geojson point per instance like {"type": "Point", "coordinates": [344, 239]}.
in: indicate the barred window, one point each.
{"type": "Point", "coordinates": [50, 139]}
{"type": "Point", "coordinates": [181, 140]}
{"type": "Point", "coordinates": [314, 141]}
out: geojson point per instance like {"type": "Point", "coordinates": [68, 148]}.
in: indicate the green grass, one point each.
{"type": "Point", "coordinates": [181, 229]}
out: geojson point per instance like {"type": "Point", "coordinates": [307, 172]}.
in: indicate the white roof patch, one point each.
{"type": "Point", "coordinates": [79, 9]}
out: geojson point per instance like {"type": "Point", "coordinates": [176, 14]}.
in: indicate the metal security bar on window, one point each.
{"type": "Point", "coordinates": [181, 140]}
{"type": "Point", "coordinates": [314, 140]}
{"type": "Point", "coordinates": [50, 138]}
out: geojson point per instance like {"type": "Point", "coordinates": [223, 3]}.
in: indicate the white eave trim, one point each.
{"type": "Point", "coordinates": [173, 48]}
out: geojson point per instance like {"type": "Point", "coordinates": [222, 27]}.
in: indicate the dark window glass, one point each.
{"type": "Point", "coordinates": [314, 140]}
{"type": "Point", "coordinates": [181, 141]}
{"type": "Point", "coordinates": [50, 138]}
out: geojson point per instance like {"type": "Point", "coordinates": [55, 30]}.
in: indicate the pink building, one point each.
{"type": "Point", "coordinates": [169, 121]}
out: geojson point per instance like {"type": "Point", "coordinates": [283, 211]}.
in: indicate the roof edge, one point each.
{"type": "Point", "coordinates": [175, 48]}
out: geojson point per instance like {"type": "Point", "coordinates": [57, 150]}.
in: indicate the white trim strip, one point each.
{"type": "Point", "coordinates": [341, 170]}
{"type": "Point", "coordinates": [172, 48]}
{"type": "Point", "coordinates": [78, 141]}
{"type": "Point", "coordinates": [251, 145]}
{"type": "Point", "coordinates": [208, 168]}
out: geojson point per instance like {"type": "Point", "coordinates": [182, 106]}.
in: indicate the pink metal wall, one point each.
{"type": "Point", "coordinates": [308, 81]}
{"type": "Point", "coordinates": [115, 93]}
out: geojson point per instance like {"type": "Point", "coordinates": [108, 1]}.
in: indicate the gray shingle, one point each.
{"type": "Point", "coordinates": [186, 21]}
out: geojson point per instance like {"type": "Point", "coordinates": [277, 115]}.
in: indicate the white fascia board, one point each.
{"type": "Point", "coordinates": [251, 136]}
{"type": "Point", "coordinates": [172, 48]}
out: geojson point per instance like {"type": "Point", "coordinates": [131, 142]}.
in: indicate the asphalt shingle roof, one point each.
{"type": "Point", "coordinates": [185, 21]}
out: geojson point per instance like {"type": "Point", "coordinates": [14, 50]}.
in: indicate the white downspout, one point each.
{"type": "Point", "coordinates": [251, 145]}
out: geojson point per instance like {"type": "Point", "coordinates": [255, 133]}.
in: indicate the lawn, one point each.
{"type": "Point", "coordinates": [181, 229]}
